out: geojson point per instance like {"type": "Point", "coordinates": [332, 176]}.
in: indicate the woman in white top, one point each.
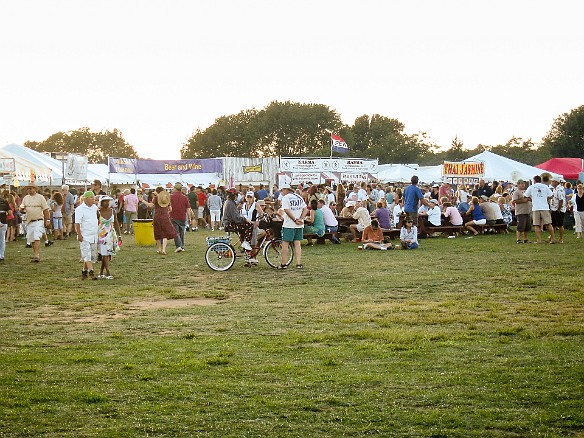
{"type": "Point", "coordinates": [408, 235]}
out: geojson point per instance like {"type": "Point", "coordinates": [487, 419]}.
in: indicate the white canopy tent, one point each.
{"type": "Point", "coordinates": [403, 173]}
{"type": "Point", "coordinates": [501, 168]}
{"type": "Point", "coordinates": [41, 161]}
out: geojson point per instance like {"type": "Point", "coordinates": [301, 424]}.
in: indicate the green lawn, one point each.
{"type": "Point", "coordinates": [463, 337]}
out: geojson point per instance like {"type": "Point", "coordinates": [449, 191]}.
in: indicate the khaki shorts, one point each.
{"type": "Point", "coordinates": [67, 219]}
{"type": "Point", "coordinates": [541, 218]}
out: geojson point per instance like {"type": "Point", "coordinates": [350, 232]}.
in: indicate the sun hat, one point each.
{"type": "Point", "coordinates": [350, 204]}
{"type": "Point", "coordinates": [557, 179]}
{"type": "Point", "coordinates": [163, 199]}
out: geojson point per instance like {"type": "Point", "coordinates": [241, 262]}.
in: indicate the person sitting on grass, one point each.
{"type": "Point", "coordinates": [361, 214]}
{"type": "Point", "coordinates": [478, 218]}
{"type": "Point", "coordinates": [373, 237]}
{"type": "Point", "coordinates": [408, 235]}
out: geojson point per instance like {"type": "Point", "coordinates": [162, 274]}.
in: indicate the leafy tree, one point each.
{"type": "Point", "coordinates": [281, 128]}
{"type": "Point", "coordinates": [97, 146]}
{"type": "Point", "coordinates": [566, 136]}
{"type": "Point", "coordinates": [384, 138]}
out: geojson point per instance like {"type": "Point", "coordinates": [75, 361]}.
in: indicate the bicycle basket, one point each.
{"type": "Point", "coordinates": [212, 240]}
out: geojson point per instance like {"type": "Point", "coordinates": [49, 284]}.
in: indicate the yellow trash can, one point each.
{"type": "Point", "coordinates": [144, 232]}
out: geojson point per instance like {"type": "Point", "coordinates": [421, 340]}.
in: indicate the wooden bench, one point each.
{"type": "Point", "coordinates": [499, 228]}
{"type": "Point", "coordinates": [319, 240]}
{"type": "Point", "coordinates": [450, 229]}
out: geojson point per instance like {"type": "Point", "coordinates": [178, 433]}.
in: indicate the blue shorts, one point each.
{"type": "Point", "coordinates": [292, 234]}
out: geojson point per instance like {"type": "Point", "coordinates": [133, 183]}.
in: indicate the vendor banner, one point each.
{"type": "Point", "coordinates": [76, 167]}
{"type": "Point", "coordinates": [350, 165]}
{"type": "Point", "coordinates": [7, 165]}
{"type": "Point", "coordinates": [122, 165]}
{"type": "Point", "coordinates": [468, 169]}
{"type": "Point", "coordinates": [138, 166]}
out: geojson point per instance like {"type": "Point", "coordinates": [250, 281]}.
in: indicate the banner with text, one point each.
{"type": "Point", "coordinates": [138, 166]}
{"type": "Point", "coordinates": [346, 165]}
{"type": "Point", "coordinates": [468, 169]}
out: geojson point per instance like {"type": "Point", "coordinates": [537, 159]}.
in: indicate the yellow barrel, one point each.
{"type": "Point", "coordinates": [144, 232]}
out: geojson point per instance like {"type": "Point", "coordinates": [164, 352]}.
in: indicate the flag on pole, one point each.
{"type": "Point", "coordinates": [338, 144]}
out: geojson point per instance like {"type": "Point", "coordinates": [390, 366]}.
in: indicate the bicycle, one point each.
{"type": "Point", "coordinates": [221, 253]}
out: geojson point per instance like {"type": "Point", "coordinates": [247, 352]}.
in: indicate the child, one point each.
{"type": "Point", "coordinates": [506, 212]}
{"type": "Point", "coordinates": [57, 209]}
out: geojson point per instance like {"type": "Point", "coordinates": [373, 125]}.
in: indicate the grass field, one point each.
{"type": "Point", "coordinates": [463, 337]}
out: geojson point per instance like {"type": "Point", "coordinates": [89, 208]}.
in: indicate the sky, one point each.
{"type": "Point", "coordinates": [159, 70]}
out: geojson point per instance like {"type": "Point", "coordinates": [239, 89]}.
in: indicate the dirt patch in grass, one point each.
{"type": "Point", "coordinates": [172, 303]}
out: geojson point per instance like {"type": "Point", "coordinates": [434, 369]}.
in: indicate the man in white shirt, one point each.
{"type": "Point", "coordinates": [362, 193]}
{"type": "Point", "coordinates": [295, 211]}
{"type": "Point", "coordinates": [539, 194]}
{"type": "Point", "coordinates": [363, 218]}
{"type": "Point", "coordinates": [86, 227]}
{"type": "Point", "coordinates": [331, 224]}
{"type": "Point", "coordinates": [558, 206]}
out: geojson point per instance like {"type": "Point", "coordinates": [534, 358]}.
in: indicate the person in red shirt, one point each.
{"type": "Point", "coordinates": [373, 237]}
{"type": "Point", "coordinates": [178, 216]}
{"type": "Point", "coordinates": [202, 202]}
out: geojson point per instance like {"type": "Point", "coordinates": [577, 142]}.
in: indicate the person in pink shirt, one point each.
{"type": "Point", "coordinates": [452, 213]}
{"type": "Point", "coordinates": [130, 209]}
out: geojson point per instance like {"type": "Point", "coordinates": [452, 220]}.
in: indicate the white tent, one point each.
{"type": "Point", "coordinates": [505, 169]}
{"type": "Point", "coordinates": [41, 161]}
{"type": "Point", "coordinates": [403, 173]}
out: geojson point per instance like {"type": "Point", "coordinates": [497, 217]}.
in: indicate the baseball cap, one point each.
{"type": "Point", "coordinates": [285, 186]}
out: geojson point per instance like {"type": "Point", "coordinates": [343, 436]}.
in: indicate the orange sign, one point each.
{"type": "Point", "coordinates": [464, 169]}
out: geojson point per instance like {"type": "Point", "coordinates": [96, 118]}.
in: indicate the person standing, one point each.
{"type": "Point", "coordinates": [4, 212]}
{"type": "Point", "coordinates": [539, 194]}
{"type": "Point", "coordinates": [179, 204]}
{"type": "Point", "coordinates": [68, 209]}
{"type": "Point", "coordinates": [37, 217]}
{"type": "Point", "coordinates": [412, 197]}
{"type": "Point", "coordinates": [130, 209]}
{"type": "Point", "coordinates": [109, 237]}
{"type": "Point", "coordinates": [163, 229]}
{"type": "Point", "coordinates": [558, 206]}
{"type": "Point", "coordinates": [194, 209]}
{"type": "Point", "coordinates": [577, 201]}
{"type": "Point", "coordinates": [522, 212]}
{"type": "Point", "coordinates": [202, 202]}
{"type": "Point", "coordinates": [86, 227]}
{"type": "Point", "coordinates": [292, 229]}
{"type": "Point", "coordinates": [215, 204]}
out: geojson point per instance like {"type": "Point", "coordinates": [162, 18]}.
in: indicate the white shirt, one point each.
{"type": "Point", "coordinates": [86, 217]}
{"type": "Point", "coordinates": [434, 216]}
{"type": "Point", "coordinates": [362, 195]}
{"type": "Point", "coordinates": [559, 195]}
{"type": "Point", "coordinates": [362, 216]}
{"type": "Point", "coordinates": [329, 217]}
{"type": "Point", "coordinates": [295, 204]}
{"type": "Point", "coordinates": [397, 211]}
{"type": "Point", "coordinates": [539, 194]}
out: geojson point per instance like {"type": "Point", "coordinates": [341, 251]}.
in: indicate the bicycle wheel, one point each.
{"type": "Point", "coordinates": [273, 253]}
{"type": "Point", "coordinates": [220, 256]}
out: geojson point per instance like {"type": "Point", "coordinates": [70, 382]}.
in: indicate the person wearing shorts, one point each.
{"type": "Point", "coordinates": [294, 211]}
{"type": "Point", "coordinates": [522, 212]}
{"type": "Point", "coordinates": [37, 217]}
{"type": "Point", "coordinates": [558, 206]}
{"type": "Point", "coordinates": [539, 194]}
{"type": "Point", "coordinates": [87, 229]}
{"type": "Point", "coordinates": [478, 218]}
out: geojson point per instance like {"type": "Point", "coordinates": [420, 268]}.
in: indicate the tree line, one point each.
{"type": "Point", "coordinates": [297, 129]}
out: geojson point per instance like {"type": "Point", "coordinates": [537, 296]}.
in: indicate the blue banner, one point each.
{"type": "Point", "coordinates": [138, 166]}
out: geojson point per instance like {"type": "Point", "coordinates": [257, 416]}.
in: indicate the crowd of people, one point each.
{"type": "Point", "coordinates": [98, 220]}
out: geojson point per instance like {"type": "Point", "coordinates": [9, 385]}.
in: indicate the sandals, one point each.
{"type": "Point", "coordinates": [299, 267]}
